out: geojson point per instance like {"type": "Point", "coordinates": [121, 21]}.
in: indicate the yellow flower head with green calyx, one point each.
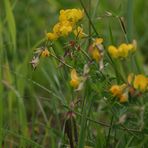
{"type": "Point", "coordinates": [113, 51]}
{"type": "Point", "coordinates": [75, 80]}
{"type": "Point", "coordinates": [52, 36]}
{"type": "Point", "coordinates": [62, 28]}
{"type": "Point", "coordinates": [78, 32]}
{"type": "Point", "coordinates": [71, 15]}
{"type": "Point", "coordinates": [45, 53]}
{"type": "Point", "coordinates": [140, 82]}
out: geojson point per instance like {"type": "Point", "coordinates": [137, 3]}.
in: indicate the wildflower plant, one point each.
{"type": "Point", "coordinates": [100, 74]}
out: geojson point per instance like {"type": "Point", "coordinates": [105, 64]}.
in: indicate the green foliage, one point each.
{"type": "Point", "coordinates": [34, 104]}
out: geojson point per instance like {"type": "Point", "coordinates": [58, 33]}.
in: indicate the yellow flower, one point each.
{"type": "Point", "coordinates": [62, 28]}
{"type": "Point", "coordinates": [67, 20]}
{"type": "Point", "coordinates": [113, 51]}
{"type": "Point", "coordinates": [75, 80]}
{"type": "Point", "coordinates": [78, 32]}
{"type": "Point", "coordinates": [71, 15]}
{"type": "Point", "coordinates": [122, 51]}
{"type": "Point", "coordinates": [65, 29]}
{"type": "Point", "coordinates": [52, 36]}
{"type": "Point", "coordinates": [96, 54]}
{"type": "Point", "coordinates": [123, 98]}
{"type": "Point", "coordinates": [56, 28]}
{"type": "Point", "coordinates": [97, 41]}
{"type": "Point", "coordinates": [130, 47]}
{"type": "Point", "coordinates": [116, 90]}
{"type": "Point", "coordinates": [119, 91]}
{"type": "Point", "coordinates": [140, 82]}
{"type": "Point", "coordinates": [96, 49]}
{"type": "Point", "coordinates": [45, 53]}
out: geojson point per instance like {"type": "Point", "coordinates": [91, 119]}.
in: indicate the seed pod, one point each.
{"type": "Point", "coordinates": [75, 131]}
{"type": "Point", "coordinates": [71, 129]}
{"type": "Point", "coordinates": [68, 131]}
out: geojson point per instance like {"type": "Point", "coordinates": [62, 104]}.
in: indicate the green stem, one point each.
{"type": "Point", "coordinates": [123, 28]}
{"type": "Point", "coordinates": [87, 56]}
{"type": "Point", "coordinates": [109, 132]}
{"type": "Point", "coordinates": [90, 21]}
{"type": "Point", "coordinates": [89, 25]}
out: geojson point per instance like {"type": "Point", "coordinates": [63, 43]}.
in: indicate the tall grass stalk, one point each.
{"type": "Point", "coordinates": [1, 86]}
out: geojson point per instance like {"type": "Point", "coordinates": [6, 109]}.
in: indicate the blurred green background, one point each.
{"type": "Point", "coordinates": [30, 101]}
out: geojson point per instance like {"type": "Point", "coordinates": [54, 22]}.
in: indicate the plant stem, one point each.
{"type": "Point", "coordinates": [109, 132]}
{"type": "Point", "coordinates": [107, 125]}
{"type": "Point", "coordinates": [90, 21]}
{"type": "Point", "coordinates": [89, 25]}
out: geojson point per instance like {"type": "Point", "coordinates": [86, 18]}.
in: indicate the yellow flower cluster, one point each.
{"type": "Point", "coordinates": [135, 82]}
{"type": "Point", "coordinates": [71, 15]}
{"type": "Point", "coordinates": [122, 51]}
{"type": "Point", "coordinates": [139, 82]}
{"type": "Point", "coordinates": [67, 20]}
{"type": "Point", "coordinates": [120, 92]}
{"type": "Point", "coordinates": [75, 80]}
{"type": "Point", "coordinates": [96, 49]}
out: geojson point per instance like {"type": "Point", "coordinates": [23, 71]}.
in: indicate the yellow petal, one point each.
{"type": "Point", "coordinates": [140, 82]}
{"type": "Point", "coordinates": [74, 79]}
{"type": "Point", "coordinates": [113, 51]}
{"type": "Point", "coordinates": [62, 28]}
{"type": "Point", "coordinates": [123, 50]}
{"type": "Point", "coordinates": [52, 36]}
{"type": "Point", "coordinates": [71, 15]}
{"type": "Point", "coordinates": [74, 74]}
{"type": "Point", "coordinates": [116, 90]}
{"type": "Point", "coordinates": [130, 46]}
{"type": "Point", "coordinates": [96, 54]}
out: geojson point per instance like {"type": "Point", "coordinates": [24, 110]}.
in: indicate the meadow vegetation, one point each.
{"type": "Point", "coordinates": [73, 74]}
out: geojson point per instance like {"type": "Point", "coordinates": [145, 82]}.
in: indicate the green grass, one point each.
{"type": "Point", "coordinates": [34, 103]}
